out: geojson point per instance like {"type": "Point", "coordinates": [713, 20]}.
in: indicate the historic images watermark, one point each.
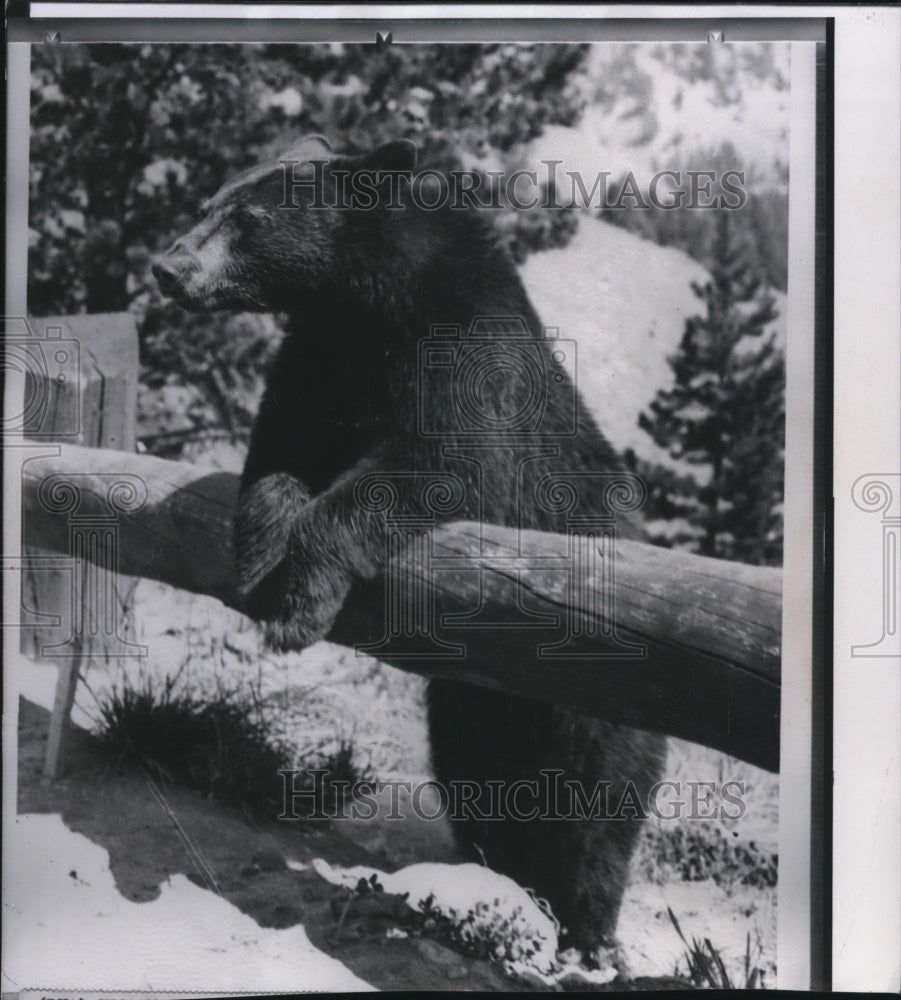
{"type": "Point", "coordinates": [93, 504]}
{"type": "Point", "coordinates": [877, 493]}
{"type": "Point", "coordinates": [432, 190]}
{"type": "Point", "coordinates": [48, 365]}
{"type": "Point", "coordinates": [78, 592]}
{"type": "Point", "coordinates": [314, 794]}
{"type": "Point", "coordinates": [528, 419]}
{"type": "Point", "coordinates": [42, 404]}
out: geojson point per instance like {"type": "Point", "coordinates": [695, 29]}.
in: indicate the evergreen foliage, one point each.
{"type": "Point", "coordinates": [724, 416]}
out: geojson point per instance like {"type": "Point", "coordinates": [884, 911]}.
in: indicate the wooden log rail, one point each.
{"type": "Point", "coordinates": [710, 670]}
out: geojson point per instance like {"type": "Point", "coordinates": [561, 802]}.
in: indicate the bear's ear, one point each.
{"type": "Point", "coordinates": [317, 139]}
{"type": "Point", "coordinates": [397, 155]}
{"type": "Point", "coordinates": [307, 148]}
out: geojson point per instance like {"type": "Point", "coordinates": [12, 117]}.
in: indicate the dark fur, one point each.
{"type": "Point", "coordinates": [361, 290]}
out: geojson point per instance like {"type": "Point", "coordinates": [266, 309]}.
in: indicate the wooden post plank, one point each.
{"type": "Point", "coordinates": [64, 699]}
{"type": "Point", "coordinates": [91, 398]}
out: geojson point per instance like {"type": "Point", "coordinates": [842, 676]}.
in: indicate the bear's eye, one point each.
{"type": "Point", "coordinates": [248, 215]}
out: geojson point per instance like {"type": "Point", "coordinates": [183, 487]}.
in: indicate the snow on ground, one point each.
{"type": "Point", "coordinates": [484, 904]}
{"type": "Point", "coordinates": [704, 910]}
{"type": "Point", "coordinates": [459, 889]}
{"type": "Point", "coordinates": [66, 925]}
{"type": "Point", "coordinates": [313, 700]}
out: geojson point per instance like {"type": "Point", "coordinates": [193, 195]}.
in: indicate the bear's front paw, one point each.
{"type": "Point", "coordinates": [264, 522]}
{"type": "Point", "coordinates": [312, 597]}
{"type": "Point", "coordinates": [285, 579]}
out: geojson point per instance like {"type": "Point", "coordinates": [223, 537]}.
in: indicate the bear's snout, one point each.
{"type": "Point", "coordinates": [171, 269]}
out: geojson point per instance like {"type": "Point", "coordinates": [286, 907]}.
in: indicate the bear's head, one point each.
{"type": "Point", "coordinates": [281, 229]}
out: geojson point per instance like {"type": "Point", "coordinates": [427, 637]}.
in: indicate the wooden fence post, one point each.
{"type": "Point", "coordinates": [86, 395]}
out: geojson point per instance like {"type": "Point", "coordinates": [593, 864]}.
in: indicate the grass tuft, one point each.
{"type": "Point", "coordinates": [219, 745]}
{"type": "Point", "coordinates": [706, 968]}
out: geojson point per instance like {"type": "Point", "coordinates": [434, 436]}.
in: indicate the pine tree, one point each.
{"type": "Point", "coordinates": [725, 412]}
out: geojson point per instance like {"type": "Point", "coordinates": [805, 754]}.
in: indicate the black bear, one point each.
{"type": "Point", "coordinates": [366, 264]}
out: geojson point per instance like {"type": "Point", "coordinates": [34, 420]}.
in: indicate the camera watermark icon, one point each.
{"type": "Point", "coordinates": [499, 390]}
{"type": "Point", "coordinates": [497, 380]}
{"type": "Point", "coordinates": [93, 557]}
{"type": "Point", "coordinates": [49, 366]}
{"type": "Point", "coordinates": [881, 493]}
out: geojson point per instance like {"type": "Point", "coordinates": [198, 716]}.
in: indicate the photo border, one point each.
{"type": "Point", "coordinates": [735, 28]}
